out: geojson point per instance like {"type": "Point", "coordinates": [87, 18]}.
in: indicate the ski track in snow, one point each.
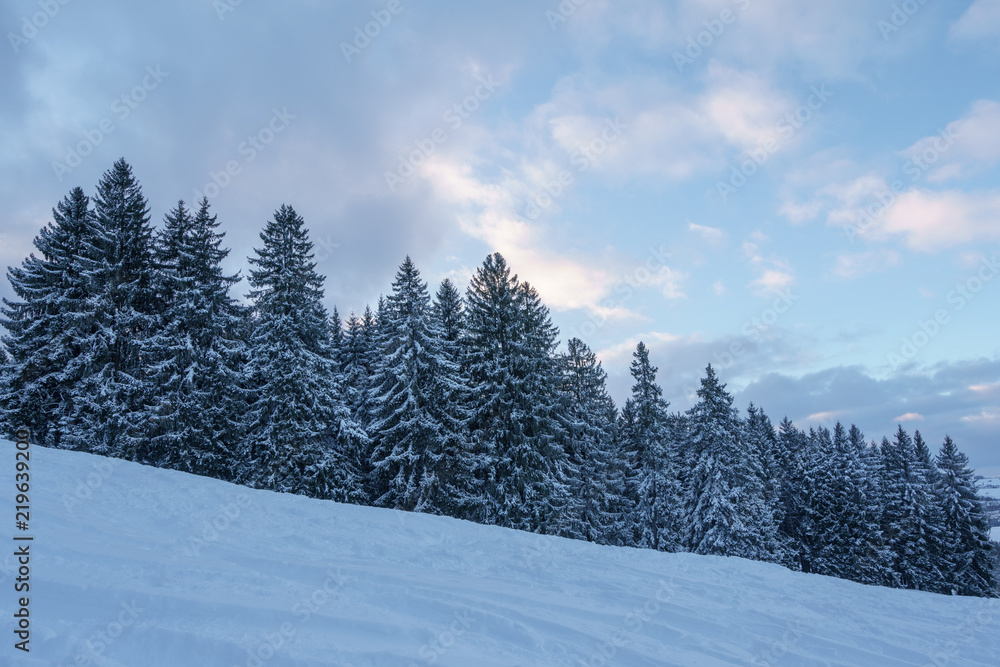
{"type": "Point", "coordinates": [370, 587]}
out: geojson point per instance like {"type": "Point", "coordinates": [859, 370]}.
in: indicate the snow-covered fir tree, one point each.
{"type": "Point", "coordinates": [514, 428]}
{"type": "Point", "coordinates": [762, 444]}
{"type": "Point", "coordinates": [111, 401]}
{"type": "Point", "coordinates": [299, 433]}
{"type": "Point", "coordinates": [971, 569]}
{"type": "Point", "coordinates": [908, 522]}
{"type": "Point", "coordinates": [648, 439]}
{"type": "Point", "coordinates": [595, 504]}
{"type": "Point", "coordinates": [357, 359]}
{"type": "Point", "coordinates": [196, 355]}
{"type": "Point", "coordinates": [419, 455]}
{"type": "Point", "coordinates": [726, 509]}
{"type": "Point", "coordinates": [48, 325]}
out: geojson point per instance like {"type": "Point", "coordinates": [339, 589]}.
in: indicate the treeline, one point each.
{"type": "Point", "coordinates": [126, 342]}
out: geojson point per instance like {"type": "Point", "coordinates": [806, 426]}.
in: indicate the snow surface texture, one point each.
{"type": "Point", "coordinates": [201, 572]}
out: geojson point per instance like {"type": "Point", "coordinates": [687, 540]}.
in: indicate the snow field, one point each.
{"type": "Point", "coordinates": [138, 566]}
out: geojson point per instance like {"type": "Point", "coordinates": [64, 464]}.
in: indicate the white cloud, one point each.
{"type": "Point", "coordinates": [713, 235]}
{"type": "Point", "coordinates": [620, 353]}
{"type": "Point", "coordinates": [981, 20]}
{"type": "Point", "coordinates": [987, 417]}
{"type": "Point", "coordinates": [967, 145]}
{"type": "Point", "coordinates": [667, 131]}
{"type": "Point", "coordinates": [821, 417]}
{"type": "Point", "coordinates": [853, 265]}
{"type": "Point", "coordinates": [773, 273]}
{"type": "Point", "coordinates": [798, 213]}
{"type": "Point", "coordinates": [565, 281]}
{"type": "Point", "coordinates": [931, 221]}
{"type": "Point", "coordinates": [909, 417]}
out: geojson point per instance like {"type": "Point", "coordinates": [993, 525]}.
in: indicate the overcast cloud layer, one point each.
{"type": "Point", "coordinates": [803, 194]}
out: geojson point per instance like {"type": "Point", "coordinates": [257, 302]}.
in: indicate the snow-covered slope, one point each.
{"type": "Point", "coordinates": [989, 487]}
{"type": "Point", "coordinates": [133, 566]}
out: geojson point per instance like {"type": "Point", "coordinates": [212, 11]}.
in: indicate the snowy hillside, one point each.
{"type": "Point", "coordinates": [989, 487]}
{"type": "Point", "coordinates": [137, 566]}
{"type": "Point", "coordinates": [989, 491]}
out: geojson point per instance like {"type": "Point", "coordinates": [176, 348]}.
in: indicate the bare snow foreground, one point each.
{"type": "Point", "coordinates": [133, 566]}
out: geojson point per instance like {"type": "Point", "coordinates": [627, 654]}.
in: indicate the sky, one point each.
{"type": "Point", "coordinates": [804, 195]}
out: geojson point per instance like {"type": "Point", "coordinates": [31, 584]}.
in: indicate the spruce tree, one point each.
{"type": "Point", "coordinates": [300, 435]}
{"type": "Point", "coordinates": [45, 328]}
{"type": "Point", "coordinates": [588, 416]}
{"type": "Point", "coordinates": [970, 565]}
{"type": "Point", "coordinates": [419, 457]}
{"type": "Point", "coordinates": [912, 534]}
{"type": "Point", "coordinates": [514, 431]}
{"type": "Point", "coordinates": [110, 411]}
{"type": "Point", "coordinates": [762, 445]}
{"type": "Point", "coordinates": [196, 355]}
{"type": "Point", "coordinates": [649, 442]}
{"type": "Point", "coordinates": [727, 513]}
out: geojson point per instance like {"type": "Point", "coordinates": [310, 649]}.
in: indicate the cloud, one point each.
{"type": "Point", "coordinates": [938, 394]}
{"type": "Point", "coordinates": [989, 417]}
{"type": "Point", "coordinates": [931, 221]}
{"type": "Point", "coordinates": [774, 274]}
{"type": "Point", "coordinates": [854, 265]}
{"type": "Point", "coordinates": [966, 146]}
{"type": "Point", "coordinates": [621, 353]}
{"type": "Point", "coordinates": [981, 20]}
{"type": "Point", "coordinates": [669, 131]}
{"type": "Point", "coordinates": [713, 235]}
{"type": "Point", "coordinates": [564, 280]}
